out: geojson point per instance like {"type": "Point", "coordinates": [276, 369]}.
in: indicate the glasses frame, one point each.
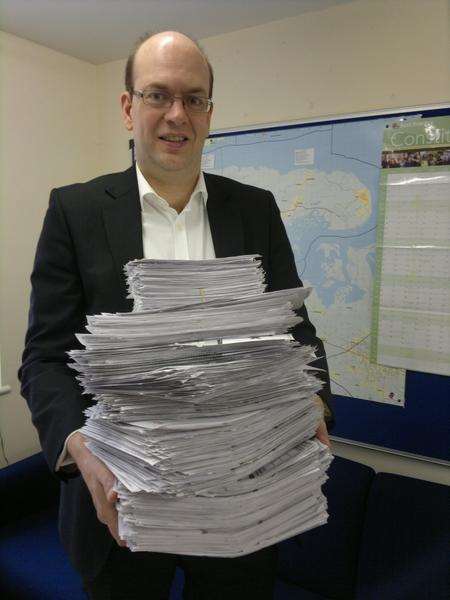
{"type": "Point", "coordinates": [172, 98]}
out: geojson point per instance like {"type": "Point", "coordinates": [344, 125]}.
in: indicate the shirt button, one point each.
{"type": "Point", "coordinates": [179, 227]}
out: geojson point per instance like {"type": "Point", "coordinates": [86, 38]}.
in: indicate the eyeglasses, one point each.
{"type": "Point", "coordinates": [159, 99]}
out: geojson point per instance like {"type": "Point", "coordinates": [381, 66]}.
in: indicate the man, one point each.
{"type": "Point", "coordinates": [163, 207]}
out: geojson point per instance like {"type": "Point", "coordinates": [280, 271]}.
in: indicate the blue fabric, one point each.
{"type": "Point", "coordinates": [18, 480]}
{"type": "Point", "coordinates": [403, 555]}
{"type": "Point", "coordinates": [405, 546]}
{"type": "Point", "coordinates": [324, 560]}
{"type": "Point", "coordinates": [33, 564]}
{"type": "Point", "coordinates": [176, 591]}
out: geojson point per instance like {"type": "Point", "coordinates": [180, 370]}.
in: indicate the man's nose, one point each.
{"type": "Point", "coordinates": [177, 112]}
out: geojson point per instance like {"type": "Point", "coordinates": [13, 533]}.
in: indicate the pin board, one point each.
{"type": "Point", "coordinates": [325, 176]}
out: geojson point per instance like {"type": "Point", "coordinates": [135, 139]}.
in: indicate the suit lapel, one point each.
{"type": "Point", "coordinates": [224, 219]}
{"type": "Point", "coordinates": [123, 221]}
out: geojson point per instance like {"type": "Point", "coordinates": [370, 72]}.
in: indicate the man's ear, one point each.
{"type": "Point", "coordinates": [126, 102]}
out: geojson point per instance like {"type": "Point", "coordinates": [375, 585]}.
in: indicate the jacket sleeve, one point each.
{"type": "Point", "coordinates": [57, 312]}
{"type": "Point", "coordinates": [282, 274]}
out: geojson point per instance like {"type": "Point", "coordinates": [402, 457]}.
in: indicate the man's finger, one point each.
{"type": "Point", "coordinates": [114, 530]}
{"type": "Point", "coordinates": [322, 434]}
{"type": "Point", "coordinates": [111, 496]}
{"type": "Point", "coordinates": [107, 514]}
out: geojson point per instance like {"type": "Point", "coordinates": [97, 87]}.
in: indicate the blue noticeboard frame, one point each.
{"type": "Point", "coordinates": [422, 427]}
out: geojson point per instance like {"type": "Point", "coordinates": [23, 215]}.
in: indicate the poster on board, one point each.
{"type": "Point", "coordinates": [411, 311]}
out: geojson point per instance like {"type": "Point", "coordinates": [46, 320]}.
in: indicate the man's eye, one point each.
{"type": "Point", "coordinates": [155, 96]}
{"type": "Point", "coordinates": [195, 101]}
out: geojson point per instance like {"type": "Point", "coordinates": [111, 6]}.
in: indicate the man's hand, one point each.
{"type": "Point", "coordinates": [100, 482]}
{"type": "Point", "coordinates": [321, 432]}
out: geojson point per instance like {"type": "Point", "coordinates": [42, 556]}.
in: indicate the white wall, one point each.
{"type": "Point", "coordinates": [354, 57]}
{"type": "Point", "coordinates": [49, 137]}
{"type": "Point", "coordinates": [366, 55]}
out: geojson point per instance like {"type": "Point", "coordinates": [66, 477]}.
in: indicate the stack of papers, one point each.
{"type": "Point", "coordinates": [278, 502]}
{"type": "Point", "coordinates": [163, 283]}
{"type": "Point", "coordinates": [205, 409]}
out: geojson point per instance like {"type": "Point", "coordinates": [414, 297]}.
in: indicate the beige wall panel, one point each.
{"type": "Point", "coordinates": [114, 151]}
{"type": "Point", "coordinates": [365, 55]}
{"type": "Point", "coordinates": [49, 137]}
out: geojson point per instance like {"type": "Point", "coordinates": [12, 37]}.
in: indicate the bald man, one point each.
{"type": "Point", "coordinates": [162, 207]}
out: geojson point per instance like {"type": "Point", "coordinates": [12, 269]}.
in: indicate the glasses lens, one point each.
{"type": "Point", "coordinates": [156, 98]}
{"type": "Point", "coordinates": [195, 103]}
{"type": "Point", "coordinates": [160, 99]}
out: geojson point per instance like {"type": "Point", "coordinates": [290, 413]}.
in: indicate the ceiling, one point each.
{"type": "Point", "coordinates": [99, 31]}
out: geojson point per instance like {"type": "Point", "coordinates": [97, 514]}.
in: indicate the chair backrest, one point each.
{"type": "Point", "coordinates": [405, 548]}
{"type": "Point", "coordinates": [324, 560]}
{"type": "Point", "coordinates": [26, 486]}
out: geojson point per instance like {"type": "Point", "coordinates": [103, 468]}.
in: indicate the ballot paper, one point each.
{"type": "Point", "coordinates": [204, 409]}
{"type": "Point", "coordinates": [163, 283]}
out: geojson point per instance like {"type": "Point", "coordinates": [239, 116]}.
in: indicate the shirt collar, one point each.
{"type": "Point", "coordinates": [145, 188]}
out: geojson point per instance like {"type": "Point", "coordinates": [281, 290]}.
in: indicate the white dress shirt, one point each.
{"type": "Point", "coordinates": [167, 234]}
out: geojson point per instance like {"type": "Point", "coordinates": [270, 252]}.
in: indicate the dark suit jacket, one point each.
{"type": "Point", "coordinates": [90, 231]}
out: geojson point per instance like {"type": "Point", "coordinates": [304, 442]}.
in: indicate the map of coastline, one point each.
{"type": "Point", "coordinates": [325, 181]}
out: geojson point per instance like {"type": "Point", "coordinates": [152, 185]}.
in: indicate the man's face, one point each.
{"type": "Point", "coordinates": [168, 141]}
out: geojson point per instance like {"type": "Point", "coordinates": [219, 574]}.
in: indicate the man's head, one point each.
{"type": "Point", "coordinates": [168, 139]}
{"type": "Point", "coordinates": [129, 67]}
